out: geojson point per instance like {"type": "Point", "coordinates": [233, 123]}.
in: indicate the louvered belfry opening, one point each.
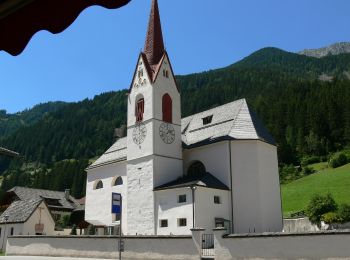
{"type": "Point", "coordinates": [167, 104]}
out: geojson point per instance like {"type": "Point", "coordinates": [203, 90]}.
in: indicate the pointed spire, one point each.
{"type": "Point", "coordinates": [154, 45]}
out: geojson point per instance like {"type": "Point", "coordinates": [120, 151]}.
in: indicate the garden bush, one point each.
{"type": "Point", "coordinates": [310, 160]}
{"type": "Point", "coordinates": [320, 205]}
{"type": "Point", "coordinates": [343, 213]}
{"type": "Point", "coordinates": [338, 159]}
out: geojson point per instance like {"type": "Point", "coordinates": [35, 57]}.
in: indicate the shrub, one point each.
{"type": "Point", "coordinates": [343, 213]}
{"type": "Point", "coordinates": [308, 170]}
{"type": "Point", "coordinates": [330, 217]}
{"type": "Point", "coordinates": [337, 160]}
{"type": "Point", "coordinates": [289, 173]}
{"type": "Point", "coordinates": [310, 160]}
{"type": "Point", "coordinates": [320, 205]}
{"type": "Point", "coordinates": [74, 230]}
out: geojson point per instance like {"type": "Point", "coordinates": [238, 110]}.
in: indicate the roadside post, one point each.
{"type": "Point", "coordinates": [117, 209]}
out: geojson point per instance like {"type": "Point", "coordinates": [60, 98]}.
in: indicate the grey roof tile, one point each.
{"type": "Point", "coordinates": [24, 194]}
{"type": "Point", "coordinates": [115, 153]}
{"type": "Point", "coordinates": [19, 211]}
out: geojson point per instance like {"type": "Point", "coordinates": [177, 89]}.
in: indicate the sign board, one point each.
{"type": "Point", "coordinates": [116, 203]}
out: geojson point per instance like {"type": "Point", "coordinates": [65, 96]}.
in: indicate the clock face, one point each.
{"type": "Point", "coordinates": [167, 133]}
{"type": "Point", "coordinates": [139, 133]}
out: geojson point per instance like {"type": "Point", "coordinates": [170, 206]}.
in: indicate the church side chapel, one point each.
{"type": "Point", "coordinates": [217, 168]}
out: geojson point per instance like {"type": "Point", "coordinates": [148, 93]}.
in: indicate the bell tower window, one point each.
{"type": "Point", "coordinates": [140, 109]}
{"type": "Point", "coordinates": [167, 109]}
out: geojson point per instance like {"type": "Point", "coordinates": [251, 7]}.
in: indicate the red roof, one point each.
{"type": "Point", "coordinates": [154, 45]}
{"type": "Point", "coordinates": [21, 19]}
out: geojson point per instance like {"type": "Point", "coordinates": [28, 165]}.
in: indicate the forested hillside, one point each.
{"type": "Point", "coordinates": [307, 116]}
{"type": "Point", "coordinates": [10, 123]}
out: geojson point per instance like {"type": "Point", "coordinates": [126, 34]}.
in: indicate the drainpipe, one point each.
{"type": "Point", "coordinates": [193, 188]}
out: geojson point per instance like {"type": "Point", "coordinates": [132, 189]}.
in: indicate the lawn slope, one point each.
{"type": "Point", "coordinates": [297, 194]}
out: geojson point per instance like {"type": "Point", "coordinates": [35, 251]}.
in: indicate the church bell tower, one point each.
{"type": "Point", "coordinates": [154, 146]}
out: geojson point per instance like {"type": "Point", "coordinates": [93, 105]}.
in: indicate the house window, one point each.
{"type": "Point", "coordinates": [196, 169]}
{"type": "Point", "coordinates": [140, 109]}
{"type": "Point", "coordinates": [181, 198]}
{"type": "Point", "coordinates": [167, 108]}
{"type": "Point", "coordinates": [217, 200]}
{"type": "Point", "coordinates": [166, 73]}
{"type": "Point", "coordinates": [207, 120]}
{"type": "Point", "coordinates": [118, 181]}
{"type": "Point", "coordinates": [98, 185]}
{"type": "Point", "coordinates": [182, 222]}
{"type": "Point", "coordinates": [12, 230]}
{"type": "Point", "coordinates": [163, 223]}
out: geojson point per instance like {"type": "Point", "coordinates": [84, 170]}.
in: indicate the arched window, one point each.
{"type": "Point", "coordinates": [98, 185]}
{"type": "Point", "coordinates": [139, 109]}
{"type": "Point", "coordinates": [196, 169]}
{"type": "Point", "coordinates": [118, 181]}
{"type": "Point", "coordinates": [167, 109]}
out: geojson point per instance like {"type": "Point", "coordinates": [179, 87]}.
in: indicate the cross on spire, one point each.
{"type": "Point", "coordinates": [154, 45]}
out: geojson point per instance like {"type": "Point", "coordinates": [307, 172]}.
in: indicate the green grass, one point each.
{"type": "Point", "coordinates": [297, 194]}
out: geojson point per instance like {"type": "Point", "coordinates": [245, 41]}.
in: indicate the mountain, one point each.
{"type": "Point", "coordinates": [10, 123]}
{"type": "Point", "coordinates": [307, 116]}
{"type": "Point", "coordinates": [334, 49]}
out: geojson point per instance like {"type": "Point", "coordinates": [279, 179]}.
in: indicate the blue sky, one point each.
{"type": "Point", "coordinates": [99, 51]}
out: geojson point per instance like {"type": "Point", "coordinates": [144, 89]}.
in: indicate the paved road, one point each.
{"type": "Point", "coordinates": [42, 258]}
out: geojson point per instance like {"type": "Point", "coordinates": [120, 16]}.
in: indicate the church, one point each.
{"type": "Point", "coordinates": [217, 168]}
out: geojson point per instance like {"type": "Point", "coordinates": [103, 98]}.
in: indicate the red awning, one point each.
{"type": "Point", "coordinates": [21, 19]}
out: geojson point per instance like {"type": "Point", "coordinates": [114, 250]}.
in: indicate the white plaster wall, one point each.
{"type": "Point", "coordinates": [156, 248]}
{"type": "Point", "coordinates": [135, 151]}
{"type": "Point", "coordinates": [270, 193]}
{"type": "Point", "coordinates": [215, 158]}
{"type": "Point", "coordinates": [166, 170]}
{"type": "Point", "coordinates": [144, 89]}
{"type": "Point", "coordinates": [168, 208]}
{"type": "Point", "coordinates": [140, 208]}
{"type": "Point", "coordinates": [174, 149]}
{"type": "Point", "coordinates": [247, 215]}
{"type": "Point", "coordinates": [45, 218]}
{"type": "Point", "coordinates": [98, 202]}
{"type": "Point", "coordinates": [162, 86]}
{"type": "Point", "coordinates": [6, 232]}
{"type": "Point", "coordinates": [206, 210]}
{"type": "Point", "coordinates": [256, 189]}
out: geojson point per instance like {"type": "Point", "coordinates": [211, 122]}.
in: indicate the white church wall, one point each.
{"type": "Point", "coordinates": [166, 170]}
{"type": "Point", "coordinates": [206, 210]}
{"type": "Point", "coordinates": [164, 85]}
{"type": "Point", "coordinates": [169, 208]}
{"type": "Point", "coordinates": [270, 193]}
{"type": "Point", "coordinates": [256, 190]}
{"type": "Point", "coordinates": [246, 190]}
{"type": "Point", "coordinates": [215, 158]}
{"type": "Point", "coordinates": [135, 151]}
{"type": "Point", "coordinates": [173, 150]}
{"type": "Point", "coordinates": [143, 87]}
{"type": "Point", "coordinates": [98, 202]}
{"type": "Point", "coordinates": [140, 209]}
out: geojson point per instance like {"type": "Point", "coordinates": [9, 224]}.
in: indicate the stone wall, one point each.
{"type": "Point", "coordinates": [167, 247]}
